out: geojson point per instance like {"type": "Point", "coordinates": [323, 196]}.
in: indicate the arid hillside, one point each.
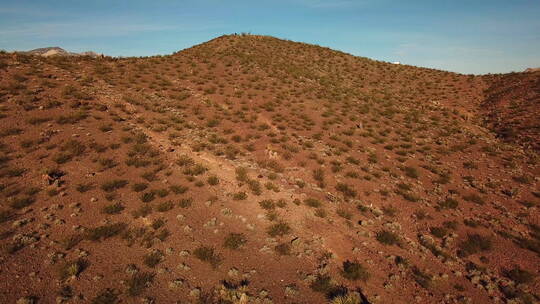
{"type": "Point", "coordinates": [512, 107]}
{"type": "Point", "coordinates": [250, 169]}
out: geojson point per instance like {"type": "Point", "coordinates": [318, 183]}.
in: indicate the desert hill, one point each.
{"type": "Point", "coordinates": [250, 169]}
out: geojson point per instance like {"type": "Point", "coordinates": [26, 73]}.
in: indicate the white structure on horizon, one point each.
{"type": "Point", "coordinates": [396, 62]}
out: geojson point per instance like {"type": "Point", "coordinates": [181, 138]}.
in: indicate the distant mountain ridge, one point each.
{"type": "Point", "coordinates": [58, 51]}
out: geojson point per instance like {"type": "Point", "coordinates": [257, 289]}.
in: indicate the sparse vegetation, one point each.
{"type": "Point", "coordinates": [115, 208]}
{"type": "Point", "coordinates": [234, 241]}
{"type": "Point", "coordinates": [279, 229]}
{"type": "Point", "coordinates": [72, 269]}
{"type": "Point", "coordinates": [239, 196]}
{"type": "Point", "coordinates": [106, 296]}
{"type": "Point", "coordinates": [312, 202]}
{"type": "Point", "coordinates": [208, 255]}
{"type": "Point", "coordinates": [82, 188]}
{"type": "Point", "coordinates": [183, 161]}
{"type": "Point", "coordinates": [474, 243]}
{"type": "Point", "coordinates": [388, 237]}
{"type": "Point", "coordinates": [139, 282]}
{"type": "Point", "coordinates": [106, 231]}
{"type": "Point", "coordinates": [114, 185]}
{"type": "Point", "coordinates": [153, 258]}
{"type": "Point", "coordinates": [347, 190]}
{"type": "Point", "coordinates": [354, 271]}
{"type": "Point", "coordinates": [519, 275]}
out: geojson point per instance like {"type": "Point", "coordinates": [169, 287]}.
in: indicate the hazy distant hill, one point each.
{"type": "Point", "coordinates": [57, 51]}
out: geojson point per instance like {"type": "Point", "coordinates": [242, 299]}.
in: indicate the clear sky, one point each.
{"type": "Point", "coordinates": [472, 36]}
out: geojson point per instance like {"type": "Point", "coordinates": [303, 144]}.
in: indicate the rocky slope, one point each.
{"type": "Point", "coordinates": [250, 169]}
{"type": "Point", "coordinates": [512, 106]}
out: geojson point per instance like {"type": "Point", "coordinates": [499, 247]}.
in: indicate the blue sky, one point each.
{"type": "Point", "coordinates": [462, 36]}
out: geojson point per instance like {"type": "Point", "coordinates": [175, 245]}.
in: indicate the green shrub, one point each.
{"type": "Point", "coordinates": [519, 275]}
{"type": "Point", "coordinates": [114, 185]}
{"type": "Point", "coordinates": [474, 243]}
{"type": "Point", "coordinates": [283, 249]}
{"type": "Point", "coordinates": [138, 187]}
{"type": "Point", "coordinates": [212, 180]}
{"type": "Point", "coordinates": [411, 172]}
{"type": "Point", "coordinates": [389, 211]}
{"type": "Point", "coordinates": [448, 203]}
{"type": "Point", "coordinates": [241, 174]}
{"type": "Point", "coordinates": [165, 206]}
{"type": "Point", "coordinates": [523, 179]}
{"type": "Point", "coordinates": [267, 204]}
{"type": "Point", "coordinates": [142, 211]}
{"type": "Point", "coordinates": [138, 282]}
{"type": "Point", "coordinates": [281, 203]}
{"type": "Point", "coordinates": [404, 187]}
{"type": "Point", "coordinates": [106, 296]}
{"type": "Point", "coordinates": [70, 149]}
{"type": "Point", "coordinates": [161, 192]}
{"type": "Point", "coordinates": [72, 241]}
{"type": "Point", "coordinates": [178, 189]}
{"type": "Point", "coordinates": [475, 198]}
{"type": "Point", "coordinates": [72, 269]}
{"type": "Point", "coordinates": [208, 255]}
{"type": "Point", "coordinates": [234, 241]}
{"type": "Point", "coordinates": [38, 120]}
{"type": "Point", "coordinates": [279, 229]}
{"type": "Point", "coordinates": [320, 212]}
{"type": "Point", "coordinates": [10, 131]}
{"type": "Point", "coordinates": [347, 190]}
{"type": "Point", "coordinates": [62, 158]}
{"type": "Point", "coordinates": [186, 202]}
{"type": "Point", "coordinates": [149, 176]}
{"type": "Point", "coordinates": [194, 170]}
{"type": "Point", "coordinates": [354, 271]}
{"type": "Point", "coordinates": [255, 187]}
{"type": "Point", "coordinates": [421, 278]}
{"type": "Point", "coordinates": [72, 118]}
{"type": "Point", "coordinates": [22, 202]}
{"type": "Point", "coordinates": [312, 202]}
{"type": "Point", "coordinates": [388, 238]}
{"type": "Point", "coordinates": [5, 215]}
{"type": "Point", "coordinates": [322, 284]}
{"type": "Point", "coordinates": [470, 165]}
{"type": "Point", "coordinates": [153, 258]}
{"type": "Point", "coordinates": [107, 163]}
{"type": "Point", "coordinates": [240, 196]}
{"type": "Point", "coordinates": [471, 223]}
{"type": "Point", "coordinates": [106, 128]}
{"type": "Point", "coordinates": [158, 223]}
{"type": "Point", "coordinates": [344, 214]}
{"type": "Point", "coordinates": [104, 232]}
{"type": "Point", "coordinates": [318, 175]}
{"type": "Point", "coordinates": [439, 232]}
{"type": "Point", "coordinates": [82, 188]}
{"type": "Point", "coordinates": [113, 208]}
{"type": "Point", "coordinates": [148, 196]}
